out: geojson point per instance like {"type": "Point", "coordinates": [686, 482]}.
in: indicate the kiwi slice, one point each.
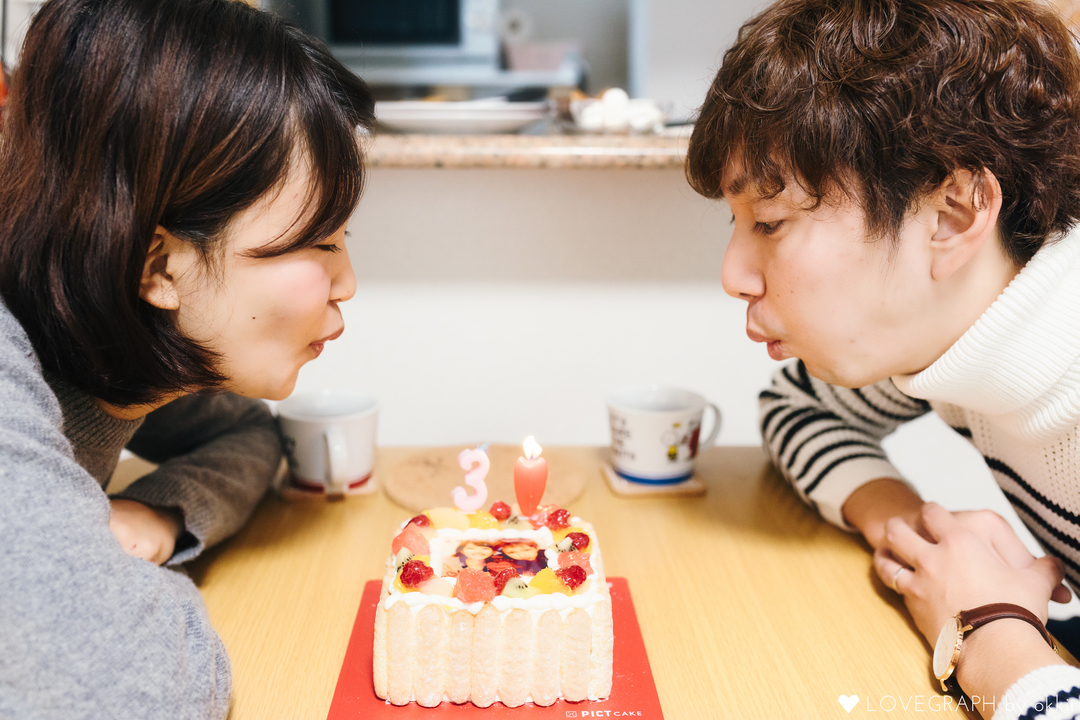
{"type": "Point", "coordinates": [404, 555]}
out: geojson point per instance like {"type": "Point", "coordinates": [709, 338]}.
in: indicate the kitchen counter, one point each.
{"type": "Point", "coordinates": [528, 151]}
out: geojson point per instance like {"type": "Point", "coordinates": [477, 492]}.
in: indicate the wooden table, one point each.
{"type": "Point", "coordinates": [749, 604]}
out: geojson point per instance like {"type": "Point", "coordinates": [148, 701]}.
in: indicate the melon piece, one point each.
{"type": "Point", "coordinates": [448, 518]}
{"type": "Point", "coordinates": [474, 586]}
{"type": "Point", "coordinates": [411, 538]}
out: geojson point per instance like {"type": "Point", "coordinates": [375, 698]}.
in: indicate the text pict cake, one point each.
{"type": "Point", "coordinates": [508, 604]}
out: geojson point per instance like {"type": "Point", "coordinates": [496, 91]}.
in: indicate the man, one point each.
{"type": "Point", "coordinates": [904, 177]}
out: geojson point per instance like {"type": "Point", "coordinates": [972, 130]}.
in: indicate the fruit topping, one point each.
{"type": "Point", "coordinates": [560, 533]}
{"type": "Point", "coordinates": [474, 586]}
{"type": "Point", "coordinates": [423, 523]}
{"type": "Point", "coordinates": [415, 572]}
{"type": "Point", "coordinates": [502, 577]}
{"type": "Point", "coordinates": [581, 559]}
{"type": "Point", "coordinates": [517, 522]}
{"type": "Point", "coordinates": [403, 556]}
{"type": "Point", "coordinates": [483, 520]}
{"type": "Point", "coordinates": [573, 576]}
{"type": "Point", "coordinates": [445, 517]}
{"type": "Point", "coordinates": [500, 510]}
{"type": "Point", "coordinates": [558, 518]}
{"type": "Point", "coordinates": [547, 581]}
{"type": "Point", "coordinates": [539, 518]}
{"type": "Point", "coordinates": [411, 537]}
{"type": "Point", "coordinates": [564, 545]}
{"type": "Point", "coordinates": [437, 586]}
{"type": "Point", "coordinates": [580, 540]}
{"type": "Point", "coordinates": [516, 587]}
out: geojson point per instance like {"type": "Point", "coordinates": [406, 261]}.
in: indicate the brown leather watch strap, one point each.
{"type": "Point", "coordinates": [979, 616]}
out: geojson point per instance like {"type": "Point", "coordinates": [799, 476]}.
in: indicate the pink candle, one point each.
{"type": "Point", "coordinates": [530, 477]}
{"type": "Point", "coordinates": [474, 478]}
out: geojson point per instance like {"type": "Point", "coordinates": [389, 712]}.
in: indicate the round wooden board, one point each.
{"type": "Point", "coordinates": [425, 479]}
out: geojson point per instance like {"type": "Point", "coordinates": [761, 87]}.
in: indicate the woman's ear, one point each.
{"type": "Point", "coordinates": [967, 207]}
{"type": "Point", "coordinates": [164, 263]}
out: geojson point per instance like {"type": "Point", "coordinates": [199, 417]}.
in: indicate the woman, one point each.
{"type": "Point", "coordinates": [474, 555]}
{"type": "Point", "coordinates": [175, 180]}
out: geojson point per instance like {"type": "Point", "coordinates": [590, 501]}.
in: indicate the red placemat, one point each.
{"type": "Point", "coordinates": [633, 692]}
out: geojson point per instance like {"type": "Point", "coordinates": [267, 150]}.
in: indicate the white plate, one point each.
{"type": "Point", "coordinates": [473, 117]}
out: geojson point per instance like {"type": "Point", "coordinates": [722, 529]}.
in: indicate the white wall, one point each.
{"type": "Point", "coordinates": [476, 283]}
{"type": "Point", "coordinates": [19, 14]}
{"type": "Point", "coordinates": [676, 47]}
{"type": "Point", "coordinates": [599, 25]}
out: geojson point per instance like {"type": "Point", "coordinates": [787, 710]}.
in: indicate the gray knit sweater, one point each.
{"type": "Point", "coordinates": [87, 631]}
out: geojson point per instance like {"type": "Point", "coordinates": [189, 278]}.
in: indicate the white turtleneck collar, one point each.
{"type": "Point", "coordinates": [1020, 362]}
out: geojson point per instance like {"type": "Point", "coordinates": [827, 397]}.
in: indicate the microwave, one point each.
{"type": "Point", "coordinates": [375, 33]}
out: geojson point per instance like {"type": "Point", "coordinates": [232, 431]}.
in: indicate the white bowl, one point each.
{"type": "Point", "coordinates": [472, 117]}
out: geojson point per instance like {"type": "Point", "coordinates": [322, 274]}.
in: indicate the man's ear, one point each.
{"type": "Point", "coordinates": [164, 263]}
{"type": "Point", "coordinates": [967, 207]}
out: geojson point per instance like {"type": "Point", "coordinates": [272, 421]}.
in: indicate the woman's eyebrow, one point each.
{"type": "Point", "coordinates": [735, 187]}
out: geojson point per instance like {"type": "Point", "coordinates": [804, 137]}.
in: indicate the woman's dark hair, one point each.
{"type": "Point", "coordinates": [126, 115]}
{"type": "Point", "coordinates": [884, 99]}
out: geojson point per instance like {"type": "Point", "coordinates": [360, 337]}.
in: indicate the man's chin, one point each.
{"type": "Point", "coordinates": [845, 377]}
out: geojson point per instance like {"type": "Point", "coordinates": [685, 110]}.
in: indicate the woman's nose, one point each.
{"type": "Point", "coordinates": [343, 282]}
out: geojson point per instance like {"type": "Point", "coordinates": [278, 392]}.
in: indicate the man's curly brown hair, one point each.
{"type": "Point", "coordinates": [884, 99]}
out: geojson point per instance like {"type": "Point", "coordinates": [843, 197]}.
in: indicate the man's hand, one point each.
{"type": "Point", "coordinates": [996, 533]}
{"type": "Point", "coordinates": [144, 532]}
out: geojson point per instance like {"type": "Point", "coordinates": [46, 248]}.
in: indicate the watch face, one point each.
{"type": "Point", "coordinates": [946, 647]}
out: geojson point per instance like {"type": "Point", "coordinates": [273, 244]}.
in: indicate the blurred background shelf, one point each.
{"type": "Point", "coordinates": [529, 151]}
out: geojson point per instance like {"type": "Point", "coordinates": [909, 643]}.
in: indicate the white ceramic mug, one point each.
{"type": "Point", "coordinates": [329, 438]}
{"type": "Point", "coordinates": [656, 432]}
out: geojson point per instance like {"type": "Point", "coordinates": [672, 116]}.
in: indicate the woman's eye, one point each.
{"type": "Point", "coordinates": [330, 247]}
{"type": "Point", "coordinates": [768, 228]}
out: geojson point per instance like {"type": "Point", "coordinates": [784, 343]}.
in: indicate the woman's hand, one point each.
{"type": "Point", "coordinates": [957, 569]}
{"type": "Point", "coordinates": [877, 503]}
{"type": "Point", "coordinates": [144, 532]}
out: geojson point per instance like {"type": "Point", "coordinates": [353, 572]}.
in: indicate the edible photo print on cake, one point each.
{"type": "Point", "coordinates": [525, 556]}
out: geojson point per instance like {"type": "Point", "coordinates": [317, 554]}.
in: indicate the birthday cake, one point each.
{"type": "Point", "coordinates": [508, 604]}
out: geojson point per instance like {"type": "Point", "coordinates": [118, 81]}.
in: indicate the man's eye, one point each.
{"type": "Point", "coordinates": [768, 228]}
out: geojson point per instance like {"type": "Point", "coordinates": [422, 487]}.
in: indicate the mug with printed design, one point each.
{"type": "Point", "coordinates": [656, 432]}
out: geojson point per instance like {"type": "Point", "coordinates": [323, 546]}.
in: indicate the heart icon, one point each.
{"type": "Point", "coordinates": [848, 702]}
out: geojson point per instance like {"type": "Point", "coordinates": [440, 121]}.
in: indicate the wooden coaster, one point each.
{"type": "Point", "coordinates": [621, 486]}
{"type": "Point", "coordinates": [425, 479]}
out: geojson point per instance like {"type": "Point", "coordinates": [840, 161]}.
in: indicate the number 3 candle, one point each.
{"type": "Point", "coordinates": [474, 478]}
{"type": "Point", "coordinates": [530, 477]}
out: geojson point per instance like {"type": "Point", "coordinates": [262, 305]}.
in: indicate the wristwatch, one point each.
{"type": "Point", "coordinates": [951, 638]}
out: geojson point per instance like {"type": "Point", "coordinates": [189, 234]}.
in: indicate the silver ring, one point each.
{"type": "Point", "coordinates": [895, 575]}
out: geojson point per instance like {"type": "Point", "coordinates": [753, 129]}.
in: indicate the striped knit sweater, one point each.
{"type": "Point", "coordinates": [1010, 385]}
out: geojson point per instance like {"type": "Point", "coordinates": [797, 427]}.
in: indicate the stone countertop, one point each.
{"type": "Point", "coordinates": [653, 152]}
